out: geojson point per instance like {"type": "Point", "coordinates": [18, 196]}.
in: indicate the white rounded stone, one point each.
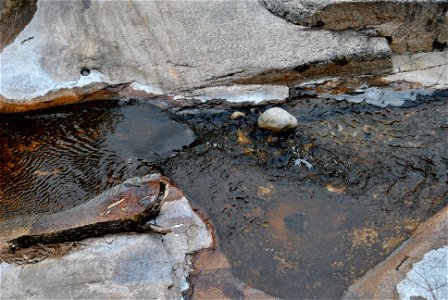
{"type": "Point", "coordinates": [277, 119]}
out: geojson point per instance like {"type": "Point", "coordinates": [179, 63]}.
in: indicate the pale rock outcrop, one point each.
{"type": "Point", "coordinates": [428, 70]}
{"type": "Point", "coordinates": [165, 46]}
{"type": "Point", "coordinates": [409, 25]}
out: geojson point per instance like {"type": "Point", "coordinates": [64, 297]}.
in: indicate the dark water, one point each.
{"type": "Point", "coordinates": [296, 232]}
{"type": "Point", "coordinates": [53, 160]}
{"type": "Point", "coordinates": [292, 231]}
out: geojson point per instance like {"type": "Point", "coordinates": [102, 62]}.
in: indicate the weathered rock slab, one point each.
{"type": "Point", "coordinates": [14, 16]}
{"type": "Point", "coordinates": [129, 266]}
{"type": "Point", "coordinates": [162, 46]}
{"type": "Point", "coordinates": [428, 70]}
{"type": "Point", "coordinates": [409, 25]}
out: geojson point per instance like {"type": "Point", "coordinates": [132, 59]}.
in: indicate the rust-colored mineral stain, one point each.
{"type": "Point", "coordinates": [58, 98]}
{"type": "Point", "coordinates": [89, 93]}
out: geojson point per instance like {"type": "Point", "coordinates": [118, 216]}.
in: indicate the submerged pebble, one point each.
{"type": "Point", "coordinates": [277, 120]}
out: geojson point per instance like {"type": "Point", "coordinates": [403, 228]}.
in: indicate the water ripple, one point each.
{"type": "Point", "coordinates": [54, 160]}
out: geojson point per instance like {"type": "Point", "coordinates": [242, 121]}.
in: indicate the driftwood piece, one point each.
{"type": "Point", "coordinates": [125, 207]}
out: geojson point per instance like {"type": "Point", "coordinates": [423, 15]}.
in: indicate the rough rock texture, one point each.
{"type": "Point", "coordinates": [119, 266]}
{"type": "Point", "coordinates": [409, 25]}
{"type": "Point", "coordinates": [381, 282]}
{"type": "Point", "coordinates": [167, 46]}
{"type": "Point", "coordinates": [277, 119]}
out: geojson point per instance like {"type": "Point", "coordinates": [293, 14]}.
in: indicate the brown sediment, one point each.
{"type": "Point", "coordinates": [212, 277]}
{"type": "Point", "coordinates": [125, 207]}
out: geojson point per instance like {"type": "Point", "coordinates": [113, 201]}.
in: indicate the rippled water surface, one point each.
{"type": "Point", "coordinates": [56, 159]}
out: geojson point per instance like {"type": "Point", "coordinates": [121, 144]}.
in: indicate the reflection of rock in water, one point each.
{"type": "Point", "coordinates": [55, 160]}
{"type": "Point", "coordinates": [377, 173]}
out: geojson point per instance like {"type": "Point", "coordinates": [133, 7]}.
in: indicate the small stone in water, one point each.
{"type": "Point", "coordinates": [277, 120]}
{"type": "Point", "coordinates": [237, 115]}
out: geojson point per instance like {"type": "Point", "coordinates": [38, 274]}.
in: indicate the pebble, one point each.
{"type": "Point", "coordinates": [277, 120]}
{"type": "Point", "coordinates": [237, 115]}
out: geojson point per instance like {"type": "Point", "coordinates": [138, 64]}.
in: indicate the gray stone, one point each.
{"type": "Point", "coordinates": [277, 119]}
{"type": "Point", "coordinates": [131, 266]}
{"type": "Point", "coordinates": [164, 46]}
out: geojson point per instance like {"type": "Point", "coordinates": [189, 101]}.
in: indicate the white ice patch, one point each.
{"type": "Point", "coordinates": [428, 278]}
{"type": "Point", "coordinates": [299, 162]}
{"type": "Point", "coordinates": [146, 88]}
{"type": "Point", "coordinates": [254, 93]}
{"type": "Point", "coordinates": [379, 97]}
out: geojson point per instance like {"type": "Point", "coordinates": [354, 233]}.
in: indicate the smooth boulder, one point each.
{"type": "Point", "coordinates": [277, 120]}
